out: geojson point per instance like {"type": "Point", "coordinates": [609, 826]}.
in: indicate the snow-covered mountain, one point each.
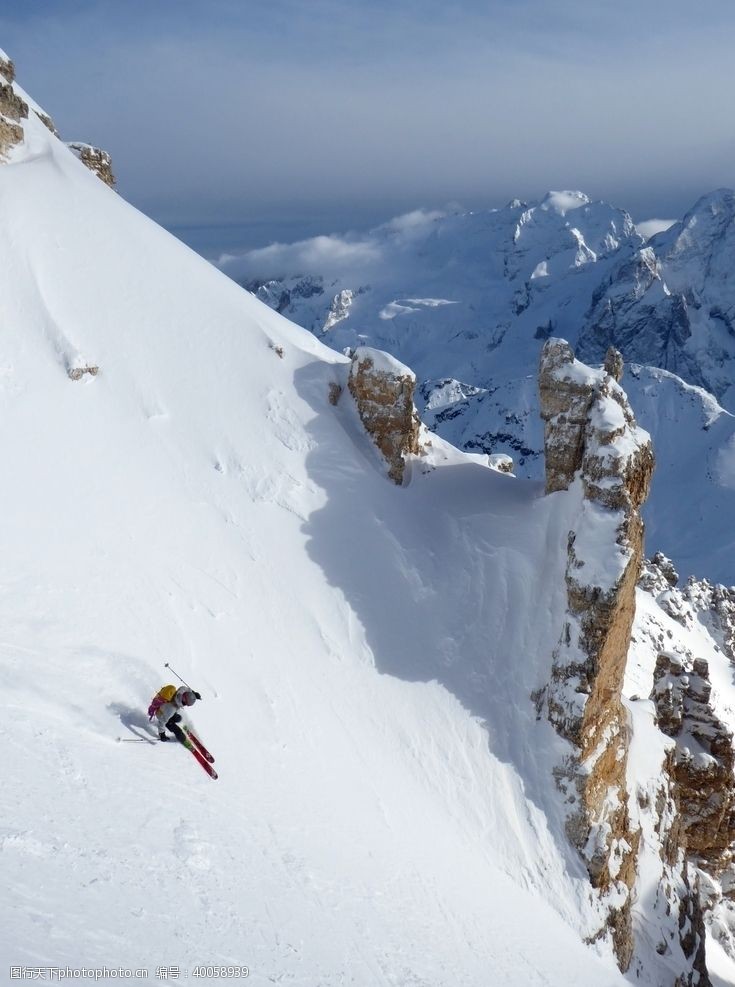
{"type": "Point", "coordinates": [672, 304]}
{"type": "Point", "coordinates": [400, 681]}
{"type": "Point", "coordinates": [466, 299]}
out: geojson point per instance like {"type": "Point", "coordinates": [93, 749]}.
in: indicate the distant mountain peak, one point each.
{"type": "Point", "coordinates": [564, 202]}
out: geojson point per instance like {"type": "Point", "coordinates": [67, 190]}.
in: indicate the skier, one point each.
{"type": "Point", "coordinates": [165, 708]}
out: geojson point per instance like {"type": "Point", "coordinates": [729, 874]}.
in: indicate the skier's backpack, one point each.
{"type": "Point", "coordinates": [164, 695]}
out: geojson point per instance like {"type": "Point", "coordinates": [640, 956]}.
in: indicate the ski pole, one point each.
{"type": "Point", "coordinates": [166, 665]}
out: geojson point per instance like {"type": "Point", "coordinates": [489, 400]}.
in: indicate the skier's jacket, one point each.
{"type": "Point", "coordinates": [165, 695]}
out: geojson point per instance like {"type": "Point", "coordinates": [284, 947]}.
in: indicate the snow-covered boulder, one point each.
{"type": "Point", "coordinates": [500, 462]}
{"type": "Point", "coordinates": [383, 390]}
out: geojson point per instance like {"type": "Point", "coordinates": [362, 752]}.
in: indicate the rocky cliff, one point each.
{"type": "Point", "coordinates": [648, 783]}
{"type": "Point", "coordinates": [13, 109]}
{"type": "Point", "coordinates": [592, 441]}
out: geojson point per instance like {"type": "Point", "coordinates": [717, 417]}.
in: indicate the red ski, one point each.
{"type": "Point", "coordinates": [197, 743]}
{"type": "Point", "coordinates": [202, 760]}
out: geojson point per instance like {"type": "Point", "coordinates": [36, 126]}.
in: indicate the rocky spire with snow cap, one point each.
{"type": "Point", "coordinates": [592, 440]}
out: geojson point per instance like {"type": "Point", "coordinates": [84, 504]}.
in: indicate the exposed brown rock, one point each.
{"type": "Point", "coordinates": [13, 109]}
{"type": "Point", "coordinates": [565, 404]}
{"type": "Point", "coordinates": [76, 373]}
{"type": "Point", "coordinates": [7, 69]}
{"type": "Point", "coordinates": [96, 160]}
{"type": "Point", "coordinates": [590, 432]}
{"type": "Point", "coordinates": [673, 912]}
{"type": "Point", "coordinates": [704, 760]}
{"type": "Point", "coordinates": [10, 135]}
{"type": "Point", "coordinates": [383, 391]}
{"type": "Point", "coordinates": [11, 105]}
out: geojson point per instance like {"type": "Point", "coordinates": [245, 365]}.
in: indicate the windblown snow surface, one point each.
{"type": "Point", "coordinates": [385, 813]}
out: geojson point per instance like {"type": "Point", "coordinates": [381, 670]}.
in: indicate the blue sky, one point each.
{"type": "Point", "coordinates": [329, 114]}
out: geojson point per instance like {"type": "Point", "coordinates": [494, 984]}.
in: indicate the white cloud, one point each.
{"type": "Point", "coordinates": [650, 227]}
{"type": "Point", "coordinates": [415, 221]}
{"type": "Point", "coordinates": [349, 256]}
{"type": "Point", "coordinates": [332, 255]}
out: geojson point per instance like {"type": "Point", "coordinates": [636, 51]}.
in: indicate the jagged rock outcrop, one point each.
{"type": "Point", "coordinates": [591, 437]}
{"type": "Point", "coordinates": [383, 390]}
{"type": "Point", "coordinates": [701, 763]}
{"type": "Point", "coordinates": [96, 160]}
{"type": "Point", "coordinates": [287, 295]}
{"type": "Point", "coordinates": [13, 109]}
{"type": "Point", "coordinates": [714, 605]}
{"type": "Point", "coordinates": [7, 69]}
{"type": "Point", "coordinates": [704, 762]}
{"type": "Point", "coordinates": [674, 920]}
{"type": "Point", "coordinates": [704, 759]}
{"type": "Point", "coordinates": [339, 310]}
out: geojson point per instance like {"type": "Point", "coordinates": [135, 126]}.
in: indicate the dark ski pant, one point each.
{"type": "Point", "coordinates": [176, 730]}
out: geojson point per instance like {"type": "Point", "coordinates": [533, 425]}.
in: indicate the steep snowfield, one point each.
{"type": "Point", "coordinates": [385, 813]}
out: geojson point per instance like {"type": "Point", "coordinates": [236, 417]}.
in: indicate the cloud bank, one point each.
{"type": "Point", "coordinates": [230, 111]}
{"type": "Point", "coordinates": [341, 257]}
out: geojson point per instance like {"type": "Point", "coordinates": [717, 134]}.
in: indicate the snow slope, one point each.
{"type": "Point", "coordinates": [385, 813]}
